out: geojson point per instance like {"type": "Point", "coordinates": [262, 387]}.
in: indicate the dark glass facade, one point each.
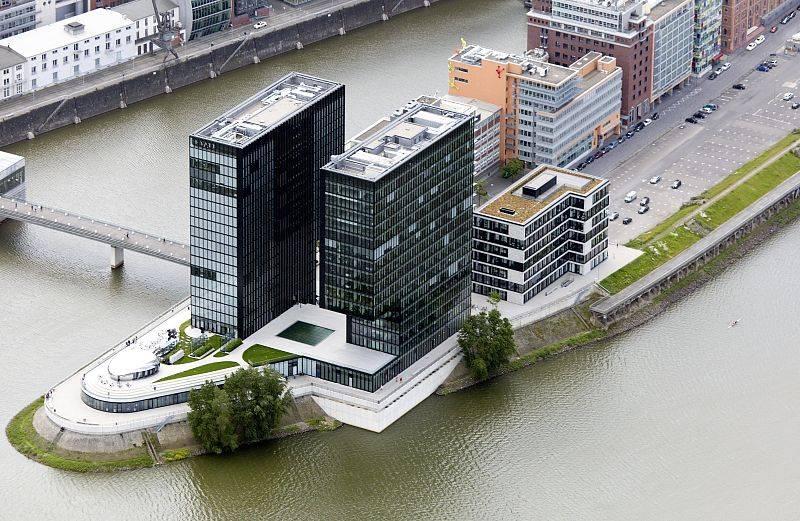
{"type": "Point", "coordinates": [396, 253]}
{"type": "Point", "coordinates": [254, 215]}
{"type": "Point", "coordinates": [209, 16]}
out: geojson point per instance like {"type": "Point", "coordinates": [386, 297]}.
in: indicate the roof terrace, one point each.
{"type": "Point", "coordinates": [533, 64]}
{"type": "Point", "coordinates": [391, 142]}
{"type": "Point", "coordinates": [543, 186]}
{"type": "Point", "coordinates": [264, 111]}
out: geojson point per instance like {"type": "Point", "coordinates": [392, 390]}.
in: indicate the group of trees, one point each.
{"type": "Point", "coordinates": [246, 409]}
{"type": "Point", "coordinates": [513, 167]}
{"type": "Point", "coordinates": [487, 340]}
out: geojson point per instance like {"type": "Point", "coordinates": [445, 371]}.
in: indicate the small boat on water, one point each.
{"type": "Point", "coordinates": [735, 322]}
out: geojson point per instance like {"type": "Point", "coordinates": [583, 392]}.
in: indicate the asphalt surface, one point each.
{"type": "Point", "coordinates": [700, 155]}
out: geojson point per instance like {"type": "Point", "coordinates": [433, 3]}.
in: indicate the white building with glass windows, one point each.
{"type": "Point", "coordinates": [71, 48]}
{"type": "Point", "coordinates": [12, 72]}
{"type": "Point", "coordinates": [553, 221]}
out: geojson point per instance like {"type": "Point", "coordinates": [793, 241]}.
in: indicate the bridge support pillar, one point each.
{"type": "Point", "coordinates": [117, 257]}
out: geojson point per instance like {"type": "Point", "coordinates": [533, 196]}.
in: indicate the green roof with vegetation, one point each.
{"type": "Point", "coordinates": [200, 369]}
{"type": "Point", "coordinates": [257, 355]}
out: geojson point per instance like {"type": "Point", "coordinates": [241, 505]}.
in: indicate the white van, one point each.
{"type": "Point", "coordinates": [630, 196]}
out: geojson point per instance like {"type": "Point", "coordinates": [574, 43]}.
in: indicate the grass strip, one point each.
{"type": "Point", "coordinates": [257, 355]}
{"type": "Point", "coordinates": [200, 369]}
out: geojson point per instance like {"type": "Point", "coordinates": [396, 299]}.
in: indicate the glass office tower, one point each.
{"type": "Point", "coordinates": [254, 175]}
{"type": "Point", "coordinates": [397, 219]}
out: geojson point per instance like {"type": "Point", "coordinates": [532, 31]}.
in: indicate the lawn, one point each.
{"type": "Point", "coordinates": [749, 166]}
{"type": "Point", "coordinates": [257, 355]}
{"type": "Point", "coordinates": [667, 224]}
{"type": "Point", "coordinates": [200, 369]}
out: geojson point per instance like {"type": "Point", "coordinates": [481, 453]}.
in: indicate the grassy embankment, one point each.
{"type": "Point", "coordinates": [668, 239]}
{"type": "Point", "coordinates": [200, 369]}
{"type": "Point", "coordinates": [23, 437]}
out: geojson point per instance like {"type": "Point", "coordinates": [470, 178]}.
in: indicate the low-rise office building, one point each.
{"type": "Point", "coordinates": [553, 221]}
{"type": "Point", "coordinates": [550, 114]}
{"type": "Point", "coordinates": [487, 127]}
{"type": "Point", "coordinates": [71, 48]}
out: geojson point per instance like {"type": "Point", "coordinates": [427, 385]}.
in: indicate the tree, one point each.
{"type": "Point", "coordinates": [480, 190]}
{"type": "Point", "coordinates": [258, 400]}
{"type": "Point", "coordinates": [246, 409]}
{"type": "Point", "coordinates": [513, 167]}
{"type": "Point", "coordinates": [210, 418]}
{"type": "Point", "coordinates": [487, 341]}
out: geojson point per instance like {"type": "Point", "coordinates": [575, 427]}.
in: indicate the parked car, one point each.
{"type": "Point", "coordinates": [762, 68]}
{"type": "Point", "coordinates": [627, 220]}
{"type": "Point", "coordinates": [655, 179]}
{"type": "Point", "coordinates": [706, 110]}
{"type": "Point", "coordinates": [676, 184]}
{"type": "Point", "coordinates": [773, 29]}
{"type": "Point", "coordinates": [690, 120]}
{"type": "Point", "coordinates": [589, 160]}
{"type": "Point", "coordinates": [726, 66]}
{"type": "Point", "coordinates": [739, 86]}
{"type": "Point", "coordinates": [773, 62]}
{"type": "Point", "coordinates": [785, 20]}
{"type": "Point", "coordinates": [751, 46]}
{"type": "Point", "coordinates": [645, 201]}
{"type": "Point", "coordinates": [719, 70]}
{"type": "Point", "coordinates": [713, 76]}
{"type": "Point", "coordinates": [643, 209]}
{"type": "Point", "coordinates": [699, 115]}
{"type": "Point", "coordinates": [639, 126]}
{"type": "Point", "coordinates": [655, 116]}
{"type": "Point", "coordinates": [712, 106]}
{"type": "Point", "coordinates": [629, 134]}
{"type": "Point", "coordinates": [795, 106]}
{"type": "Point", "coordinates": [792, 14]}
{"type": "Point", "coordinates": [788, 96]}
{"type": "Point", "coordinates": [630, 196]}
{"type": "Point", "coordinates": [613, 216]}
{"type": "Point", "coordinates": [611, 146]}
{"type": "Point", "coordinates": [760, 39]}
{"type": "Point", "coordinates": [259, 25]}
{"type": "Point", "coordinates": [647, 122]}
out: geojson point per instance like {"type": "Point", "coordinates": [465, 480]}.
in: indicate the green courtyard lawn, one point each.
{"type": "Point", "coordinates": [200, 369]}
{"type": "Point", "coordinates": [657, 252]}
{"type": "Point", "coordinates": [257, 355]}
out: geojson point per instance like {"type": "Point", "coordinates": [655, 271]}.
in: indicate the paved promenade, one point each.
{"type": "Point", "coordinates": [697, 250]}
{"type": "Point", "coordinates": [116, 236]}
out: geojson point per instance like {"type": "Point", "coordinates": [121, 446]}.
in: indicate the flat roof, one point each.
{"type": "Point", "coordinates": [139, 9]}
{"type": "Point", "coordinates": [534, 63]}
{"type": "Point", "coordinates": [54, 36]}
{"type": "Point", "coordinates": [461, 104]}
{"type": "Point", "coordinates": [9, 57]}
{"type": "Point", "coordinates": [333, 348]}
{"type": "Point", "coordinates": [392, 141]}
{"type": "Point", "coordinates": [10, 163]}
{"type": "Point", "coordinates": [664, 7]}
{"type": "Point", "coordinates": [520, 209]}
{"type": "Point", "coordinates": [269, 107]}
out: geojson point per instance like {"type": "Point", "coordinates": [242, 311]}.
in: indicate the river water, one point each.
{"type": "Point", "coordinates": [682, 418]}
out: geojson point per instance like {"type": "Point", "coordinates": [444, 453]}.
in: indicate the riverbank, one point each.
{"type": "Point", "coordinates": [575, 324]}
{"type": "Point", "coordinates": [35, 436]}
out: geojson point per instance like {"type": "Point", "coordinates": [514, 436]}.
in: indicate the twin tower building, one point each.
{"type": "Point", "coordinates": [283, 214]}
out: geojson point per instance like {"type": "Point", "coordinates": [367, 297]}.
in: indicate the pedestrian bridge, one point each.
{"type": "Point", "coordinates": [118, 237]}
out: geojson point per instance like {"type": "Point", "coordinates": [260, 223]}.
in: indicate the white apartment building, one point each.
{"type": "Point", "coordinates": [487, 127]}
{"type": "Point", "coordinates": [145, 23]}
{"type": "Point", "coordinates": [73, 47]}
{"type": "Point", "coordinates": [551, 222]}
{"type": "Point", "coordinates": [12, 72]}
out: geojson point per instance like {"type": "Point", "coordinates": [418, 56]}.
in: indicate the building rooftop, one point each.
{"type": "Point", "coordinates": [537, 190]}
{"type": "Point", "coordinates": [392, 141]}
{"type": "Point", "coordinates": [10, 163]}
{"type": "Point", "coordinates": [9, 57]}
{"type": "Point", "coordinates": [139, 9]}
{"type": "Point", "coordinates": [461, 104]}
{"type": "Point", "coordinates": [264, 111]}
{"type": "Point", "coordinates": [659, 9]}
{"type": "Point", "coordinates": [533, 63]}
{"type": "Point", "coordinates": [66, 32]}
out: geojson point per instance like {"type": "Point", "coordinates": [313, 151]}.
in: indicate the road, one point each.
{"type": "Point", "coordinates": [284, 16]}
{"type": "Point", "coordinates": [746, 123]}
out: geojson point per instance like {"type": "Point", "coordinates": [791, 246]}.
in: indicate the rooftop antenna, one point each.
{"type": "Point", "coordinates": [165, 32]}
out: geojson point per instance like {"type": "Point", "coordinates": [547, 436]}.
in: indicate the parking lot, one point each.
{"type": "Point", "coordinates": [746, 123]}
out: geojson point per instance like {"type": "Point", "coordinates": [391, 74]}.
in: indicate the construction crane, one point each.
{"type": "Point", "coordinates": [165, 32]}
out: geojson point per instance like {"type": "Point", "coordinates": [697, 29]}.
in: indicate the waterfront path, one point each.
{"type": "Point", "coordinates": [608, 306]}
{"type": "Point", "coordinates": [118, 237]}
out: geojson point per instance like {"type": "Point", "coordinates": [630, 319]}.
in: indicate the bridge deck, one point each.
{"type": "Point", "coordinates": [96, 230]}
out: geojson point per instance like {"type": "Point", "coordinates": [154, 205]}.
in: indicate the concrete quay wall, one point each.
{"type": "Point", "coordinates": [620, 306]}
{"type": "Point", "coordinates": [219, 59]}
